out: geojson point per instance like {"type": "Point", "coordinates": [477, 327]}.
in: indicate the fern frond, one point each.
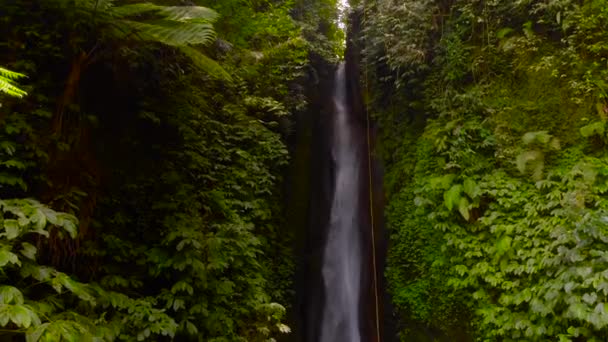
{"type": "Point", "coordinates": [205, 63]}
{"type": "Point", "coordinates": [89, 5]}
{"type": "Point", "coordinates": [135, 9]}
{"type": "Point", "coordinates": [174, 33]}
{"type": "Point", "coordinates": [174, 13]}
{"type": "Point", "coordinates": [7, 87]}
{"type": "Point", "coordinates": [11, 75]}
{"type": "Point", "coordinates": [103, 5]}
{"type": "Point", "coordinates": [189, 13]}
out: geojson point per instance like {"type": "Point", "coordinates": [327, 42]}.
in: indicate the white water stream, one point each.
{"type": "Point", "coordinates": [342, 254]}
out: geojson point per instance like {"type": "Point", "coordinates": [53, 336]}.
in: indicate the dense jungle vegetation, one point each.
{"type": "Point", "coordinates": [142, 163]}
{"type": "Point", "coordinates": [492, 118]}
{"type": "Point", "coordinates": [145, 147]}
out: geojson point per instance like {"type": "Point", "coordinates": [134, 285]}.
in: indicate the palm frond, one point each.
{"type": "Point", "coordinates": [205, 63]}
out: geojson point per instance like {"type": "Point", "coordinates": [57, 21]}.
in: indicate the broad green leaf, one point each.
{"type": "Point", "coordinates": [503, 244]}
{"type": "Point", "coordinates": [524, 158]}
{"type": "Point", "coordinates": [40, 273]}
{"type": "Point", "coordinates": [8, 257]}
{"type": "Point", "coordinates": [76, 288]}
{"type": "Point", "coordinates": [471, 188]}
{"type": "Point", "coordinates": [540, 137]}
{"type": "Point", "coordinates": [595, 128]}
{"type": "Point", "coordinates": [70, 227]}
{"type": "Point", "coordinates": [191, 328]}
{"type": "Point", "coordinates": [283, 328]}
{"type": "Point", "coordinates": [442, 182]}
{"type": "Point", "coordinates": [20, 316]}
{"type": "Point", "coordinates": [33, 334]}
{"type": "Point", "coordinates": [503, 32]}
{"type": "Point", "coordinates": [28, 250]}
{"type": "Point", "coordinates": [10, 295]}
{"type": "Point", "coordinates": [39, 219]}
{"type": "Point", "coordinates": [578, 311]}
{"type": "Point", "coordinates": [590, 298]}
{"type": "Point", "coordinates": [178, 304]}
{"type": "Point", "coordinates": [452, 196]}
{"type": "Point", "coordinates": [12, 229]}
{"type": "Point", "coordinates": [463, 208]}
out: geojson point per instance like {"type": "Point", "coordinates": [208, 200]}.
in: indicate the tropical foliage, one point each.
{"type": "Point", "coordinates": [492, 116]}
{"type": "Point", "coordinates": [7, 83]}
{"type": "Point", "coordinates": [141, 179]}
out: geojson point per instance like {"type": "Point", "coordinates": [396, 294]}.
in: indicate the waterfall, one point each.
{"type": "Point", "coordinates": [341, 264]}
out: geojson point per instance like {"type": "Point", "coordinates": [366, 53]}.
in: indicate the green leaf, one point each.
{"type": "Point", "coordinates": [33, 334]}
{"type": "Point", "coordinates": [189, 13]}
{"type": "Point", "coordinates": [70, 227]}
{"type": "Point", "coordinates": [578, 311]}
{"type": "Point", "coordinates": [442, 182]}
{"type": "Point", "coordinates": [7, 84]}
{"type": "Point", "coordinates": [524, 158]}
{"type": "Point", "coordinates": [206, 64]}
{"type": "Point", "coordinates": [175, 33]}
{"type": "Point", "coordinates": [10, 295]}
{"type": "Point", "coordinates": [20, 316]}
{"type": "Point", "coordinates": [463, 208]}
{"type": "Point", "coordinates": [471, 188]}
{"type": "Point", "coordinates": [589, 298]}
{"type": "Point", "coordinates": [4, 315]}
{"type": "Point", "coordinates": [77, 288]}
{"type": "Point", "coordinates": [12, 229]}
{"type": "Point", "coordinates": [191, 328]}
{"type": "Point", "coordinates": [28, 250]}
{"type": "Point", "coordinates": [595, 128]}
{"type": "Point", "coordinates": [540, 137]}
{"type": "Point", "coordinates": [178, 304]}
{"type": "Point", "coordinates": [39, 219]}
{"type": "Point", "coordinates": [503, 32]}
{"type": "Point", "coordinates": [503, 245]}
{"type": "Point", "coordinates": [8, 257]}
{"type": "Point", "coordinates": [452, 196]}
{"type": "Point", "coordinates": [527, 28]}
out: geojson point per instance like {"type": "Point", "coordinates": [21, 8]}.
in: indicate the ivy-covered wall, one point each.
{"type": "Point", "coordinates": [492, 120]}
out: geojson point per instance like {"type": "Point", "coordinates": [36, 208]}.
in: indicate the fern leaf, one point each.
{"type": "Point", "coordinates": [189, 13]}
{"type": "Point", "coordinates": [11, 75]}
{"type": "Point", "coordinates": [7, 85]}
{"type": "Point", "coordinates": [89, 5]}
{"type": "Point", "coordinates": [103, 5]}
{"type": "Point", "coordinates": [174, 13]}
{"type": "Point", "coordinates": [205, 63]}
{"type": "Point", "coordinates": [175, 33]}
{"type": "Point", "coordinates": [135, 9]}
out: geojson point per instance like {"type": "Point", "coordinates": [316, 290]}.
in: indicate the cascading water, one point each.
{"type": "Point", "coordinates": [341, 265]}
